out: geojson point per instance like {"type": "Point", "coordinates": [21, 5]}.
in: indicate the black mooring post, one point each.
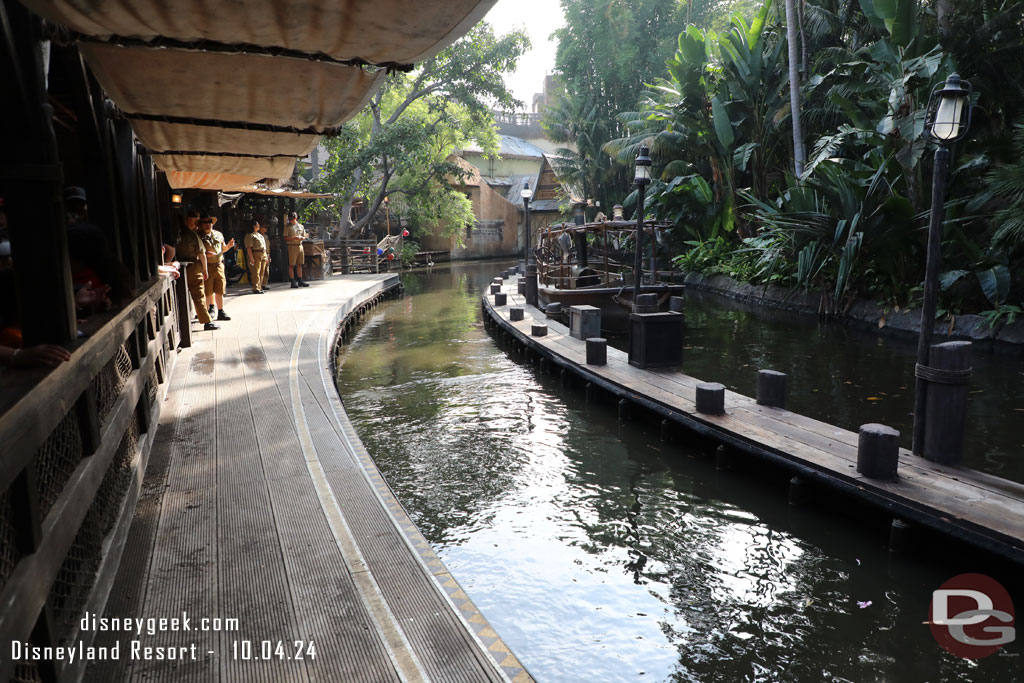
{"type": "Point", "coordinates": [771, 388]}
{"type": "Point", "coordinates": [946, 409]}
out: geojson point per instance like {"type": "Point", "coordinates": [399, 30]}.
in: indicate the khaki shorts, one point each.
{"type": "Point", "coordinates": [295, 257]}
{"type": "Point", "coordinates": [215, 284]}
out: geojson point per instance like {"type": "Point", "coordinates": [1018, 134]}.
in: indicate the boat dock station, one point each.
{"type": "Point", "coordinates": [255, 505]}
{"type": "Point", "coordinates": [980, 509]}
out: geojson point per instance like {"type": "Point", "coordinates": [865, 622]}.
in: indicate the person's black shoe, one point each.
{"type": "Point", "coordinates": [295, 283]}
{"type": "Point", "coordinates": [211, 326]}
{"type": "Point", "coordinates": [258, 291]}
{"type": "Point", "coordinates": [303, 283]}
{"type": "Point", "coordinates": [221, 315]}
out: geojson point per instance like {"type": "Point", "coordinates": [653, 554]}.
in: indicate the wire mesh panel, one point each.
{"type": "Point", "coordinates": [111, 379]}
{"type": "Point", "coordinates": [56, 460]}
{"type": "Point", "coordinates": [74, 582]}
{"type": "Point", "coordinates": [8, 552]}
{"type": "Point", "coordinates": [26, 672]}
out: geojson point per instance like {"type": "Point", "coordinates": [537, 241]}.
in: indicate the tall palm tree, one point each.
{"type": "Point", "coordinates": [799, 156]}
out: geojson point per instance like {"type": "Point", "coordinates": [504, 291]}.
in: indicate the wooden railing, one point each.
{"type": "Point", "coordinates": [75, 445]}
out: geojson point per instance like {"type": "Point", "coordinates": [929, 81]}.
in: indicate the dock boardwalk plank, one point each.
{"type": "Point", "coordinates": [328, 608]}
{"type": "Point", "coordinates": [236, 523]}
{"type": "Point", "coordinates": [985, 508]}
{"type": "Point", "coordinates": [183, 570]}
{"type": "Point", "coordinates": [253, 577]}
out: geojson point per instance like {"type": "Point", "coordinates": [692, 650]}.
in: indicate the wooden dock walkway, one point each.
{"type": "Point", "coordinates": [260, 504]}
{"type": "Point", "coordinates": [975, 507]}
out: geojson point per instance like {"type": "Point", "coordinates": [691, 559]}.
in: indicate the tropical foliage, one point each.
{"type": "Point", "coordinates": [719, 122]}
{"type": "Point", "coordinates": [399, 144]}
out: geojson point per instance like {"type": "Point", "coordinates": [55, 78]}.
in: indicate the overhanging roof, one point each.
{"type": "Point", "coordinates": [232, 93]}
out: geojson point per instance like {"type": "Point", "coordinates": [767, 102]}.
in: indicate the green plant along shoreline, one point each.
{"type": "Point", "coordinates": [718, 121]}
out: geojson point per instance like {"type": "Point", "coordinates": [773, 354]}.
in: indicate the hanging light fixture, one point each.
{"type": "Point", "coordinates": [949, 110]}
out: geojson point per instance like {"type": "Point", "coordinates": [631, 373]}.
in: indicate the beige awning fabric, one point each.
{"type": "Point", "coordinates": [231, 87]}
{"type": "Point", "coordinates": [259, 78]}
{"type": "Point", "coordinates": [382, 31]}
{"type": "Point", "coordinates": [261, 167]}
{"type": "Point", "coordinates": [167, 137]}
{"type": "Point", "coordinates": [183, 180]}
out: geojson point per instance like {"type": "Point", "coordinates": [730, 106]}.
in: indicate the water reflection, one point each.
{"type": "Point", "coordinates": [601, 554]}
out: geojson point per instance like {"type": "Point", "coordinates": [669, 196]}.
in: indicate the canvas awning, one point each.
{"type": "Point", "coordinates": [233, 93]}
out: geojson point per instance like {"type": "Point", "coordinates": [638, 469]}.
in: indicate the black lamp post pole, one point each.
{"type": "Point", "coordinates": [931, 286]}
{"type": "Point", "coordinates": [531, 264]}
{"type": "Point", "coordinates": [638, 259]}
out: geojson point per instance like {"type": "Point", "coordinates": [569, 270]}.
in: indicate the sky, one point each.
{"type": "Point", "coordinates": [540, 18]}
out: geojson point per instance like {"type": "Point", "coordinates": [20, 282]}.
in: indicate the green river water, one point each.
{"type": "Point", "coordinates": [601, 554]}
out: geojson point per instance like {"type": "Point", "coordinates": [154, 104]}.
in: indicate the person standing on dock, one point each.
{"type": "Point", "coordinates": [257, 257]}
{"type": "Point", "coordinates": [191, 248]}
{"type": "Point", "coordinates": [213, 241]}
{"type": "Point", "coordinates": [294, 233]}
{"type": "Point", "coordinates": [265, 273]}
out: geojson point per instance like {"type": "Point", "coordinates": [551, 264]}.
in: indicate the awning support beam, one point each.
{"type": "Point", "coordinates": [64, 34]}
{"type": "Point", "coordinates": [236, 125]}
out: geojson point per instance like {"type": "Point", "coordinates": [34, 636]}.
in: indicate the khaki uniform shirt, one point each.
{"type": "Point", "coordinates": [214, 242]}
{"type": "Point", "coordinates": [297, 230]}
{"type": "Point", "coordinates": [255, 241]}
{"type": "Point", "coordinates": [189, 246]}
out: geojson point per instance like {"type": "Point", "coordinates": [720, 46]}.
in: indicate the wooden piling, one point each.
{"type": "Point", "coordinates": [796, 491]}
{"type": "Point", "coordinates": [597, 351]}
{"type": "Point", "coordinates": [900, 536]}
{"type": "Point", "coordinates": [624, 410]}
{"type": "Point", "coordinates": [947, 378]}
{"type": "Point", "coordinates": [878, 451]}
{"type": "Point", "coordinates": [771, 388]}
{"type": "Point", "coordinates": [711, 398]}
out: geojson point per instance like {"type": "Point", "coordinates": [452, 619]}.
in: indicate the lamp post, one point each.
{"type": "Point", "coordinates": [531, 265]}
{"type": "Point", "coordinates": [948, 118]}
{"type": "Point", "coordinates": [642, 178]}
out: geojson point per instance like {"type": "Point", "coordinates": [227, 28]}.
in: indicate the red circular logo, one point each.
{"type": "Point", "coordinates": [971, 616]}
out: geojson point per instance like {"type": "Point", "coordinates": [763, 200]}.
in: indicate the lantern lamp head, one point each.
{"type": "Point", "coordinates": [526, 193]}
{"type": "Point", "coordinates": [176, 198]}
{"type": "Point", "coordinates": [643, 167]}
{"type": "Point", "coordinates": [949, 110]}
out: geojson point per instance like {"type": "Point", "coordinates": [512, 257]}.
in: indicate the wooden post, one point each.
{"type": "Point", "coordinates": [771, 388]}
{"type": "Point", "coordinates": [900, 536]}
{"type": "Point", "coordinates": [515, 313]}
{"type": "Point", "coordinates": [624, 409]}
{"type": "Point", "coordinates": [495, 289]}
{"type": "Point", "coordinates": [597, 351]}
{"type": "Point", "coordinates": [711, 398]}
{"type": "Point", "coordinates": [947, 378]}
{"type": "Point", "coordinates": [539, 330]}
{"type": "Point", "coordinates": [796, 491]}
{"type": "Point", "coordinates": [521, 287]}
{"type": "Point", "coordinates": [723, 459]}
{"type": "Point", "coordinates": [878, 450]}
{"type": "Point", "coordinates": [184, 319]}
{"type": "Point", "coordinates": [501, 299]}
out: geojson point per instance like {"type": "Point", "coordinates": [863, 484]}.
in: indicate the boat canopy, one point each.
{"type": "Point", "coordinates": [226, 95]}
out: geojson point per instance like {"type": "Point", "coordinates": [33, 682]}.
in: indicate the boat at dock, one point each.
{"type": "Point", "coordinates": [593, 264]}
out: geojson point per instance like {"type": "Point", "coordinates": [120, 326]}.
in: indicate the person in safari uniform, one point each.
{"type": "Point", "coordinates": [265, 273]}
{"type": "Point", "coordinates": [191, 248]}
{"type": "Point", "coordinates": [256, 256]}
{"type": "Point", "coordinates": [213, 241]}
{"type": "Point", "coordinates": [294, 233]}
